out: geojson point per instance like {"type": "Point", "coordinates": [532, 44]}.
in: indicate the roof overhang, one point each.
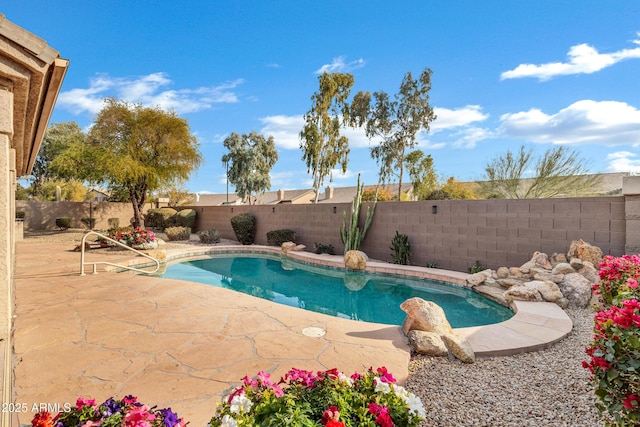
{"type": "Point", "coordinates": [33, 72]}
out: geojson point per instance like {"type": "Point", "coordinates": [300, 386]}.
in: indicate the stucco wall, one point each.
{"type": "Point", "coordinates": [494, 232]}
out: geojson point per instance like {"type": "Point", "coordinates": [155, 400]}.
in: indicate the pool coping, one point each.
{"type": "Point", "coordinates": [534, 326]}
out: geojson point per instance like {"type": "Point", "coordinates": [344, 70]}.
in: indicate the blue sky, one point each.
{"type": "Point", "coordinates": [504, 73]}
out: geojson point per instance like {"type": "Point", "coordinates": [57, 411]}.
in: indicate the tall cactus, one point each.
{"type": "Point", "coordinates": [351, 235]}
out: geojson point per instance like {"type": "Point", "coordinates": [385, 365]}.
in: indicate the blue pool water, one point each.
{"type": "Point", "coordinates": [353, 295]}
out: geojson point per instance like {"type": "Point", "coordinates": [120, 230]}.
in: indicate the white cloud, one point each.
{"type": "Point", "coordinates": [447, 118]}
{"type": "Point", "coordinates": [284, 129]}
{"type": "Point", "coordinates": [147, 90]}
{"type": "Point", "coordinates": [597, 122]}
{"type": "Point", "coordinates": [338, 65]}
{"type": "Point", "coordinates": [623, 161]}
{"type": "Point", "coordinates": [582, 59]}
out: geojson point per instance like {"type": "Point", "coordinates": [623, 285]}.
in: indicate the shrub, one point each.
{"type": "Point", "coordinates": [63, 223]}
{"type": "Point", "coordinates": [432, 264]}
{"type": "Point", "coordinates": [178, 233]}
{"type": "Point", "coordinates": [244, 226]}
{"type": "Point", "coordinates": [209, 236]}
{"type": "Point", "coordinates": [476, 268]}
{"type": "Point", "coordinates": [160, 218]}
{"type": "Point", "coordinates": [20, 214]}
{"type": "Point", "coordinates": [132, 236]}
{"type": "Point", "coordinates": [278, 237]}
{"type": "Point", "coordinates": [324, 249]}
{"type": "Point", "coordinates": [88, 222]}
{"type": "Point", "coordinates": [185, 218]}
{"type": "Point", "coordinates": [401, 249]}
{"type": "Point", "coordinates": [114, 223]}
{"type": "Point", "coordinates": [615, 350]}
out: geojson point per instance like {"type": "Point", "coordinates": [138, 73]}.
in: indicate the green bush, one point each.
{"type": "Point", "coordinates": [160, 218]}
{"type": "Point", "coordinates": [244, 226]}
{"type": "Point", "coordinates": [209, 236]}
{"type": "Point", "coordinates": [401, 249]}
{"type": "Point", "coordinates": [177, 233]}
{"type": "Point", "coordinates": [324, 249]}
{"type": "Point", "coordinates": [114, 223]}
{"type": "Point", "coordinates": [476, 268]}
{"type": "Point", "coordinates": [63, 223]}
{"type": "Point", "coordinates": [278, 237]}
{"type": "Point", "coordinates": [185, 218]}
{"type": "Point", "coordinates": [20, 214]}
{"type": "Point", "coordinates": [90, 223]}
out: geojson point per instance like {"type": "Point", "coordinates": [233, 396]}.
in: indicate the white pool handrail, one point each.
{"type": "Point", "coordinates": [82, 262]}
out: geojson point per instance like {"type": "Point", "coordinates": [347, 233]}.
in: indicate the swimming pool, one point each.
{"type": "Point", "coordinates": [359, 296]}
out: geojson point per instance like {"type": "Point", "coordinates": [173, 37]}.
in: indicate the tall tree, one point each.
{"type": "Point", "coordinates": [558, 171]}
{"type": "Point", "coordinates": [134, 147]}
{"type": "Point", "coordinates": [321, 142]}
{"type": "Point", "coordinates": [251, 157]}
{"type": "Point", "coordinates": [423, 175]}
{"type": "Point", "coordinates": [396, 122]}
{"type": "Point", "coordinates": [57, 138]}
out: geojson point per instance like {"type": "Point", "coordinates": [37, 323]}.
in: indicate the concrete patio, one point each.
{"type": "Point", "coordinates": [184, 345]}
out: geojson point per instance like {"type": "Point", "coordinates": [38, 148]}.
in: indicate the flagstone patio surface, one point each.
{"type": "Point", "coordinates": [185, 345]}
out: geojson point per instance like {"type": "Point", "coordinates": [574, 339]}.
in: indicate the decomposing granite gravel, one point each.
{"type": "Point", "coordinates": [545, 388]}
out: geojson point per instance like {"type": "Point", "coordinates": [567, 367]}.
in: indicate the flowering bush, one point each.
{"type": "Point", "coordinates": [135, 237]}
{"type": "Point", "coordinates": [618, 280]}
{"type": "Point", "coordinates": [615, 351]}
{"type": "Point", "coordinates": [328, 398]}
{"type": "Point", "coordinates": [127, 412]}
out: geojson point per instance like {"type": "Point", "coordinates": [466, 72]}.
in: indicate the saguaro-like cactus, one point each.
{"type": "Point", "coordinates": [351, 235]}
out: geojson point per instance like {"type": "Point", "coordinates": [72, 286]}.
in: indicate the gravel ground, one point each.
{"type": "Point", "coordinates": [545, 388]}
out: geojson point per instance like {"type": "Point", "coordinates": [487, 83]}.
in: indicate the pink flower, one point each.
{"type": "Point", "coordinates": [330, 414]}
{"type": "Point", "coordinates": [138, 416]}
{"type": "Point", "coordinates": [81, 403]}
{"type": "Point", "coordinates": [307, 378]}
{"type": "Point", "coordinates": [382, 414]}
{"type": "Point", "coordinates": [385, 376]}
{"type": "Point", "coordinates": [92, 424]}
{"type": "Point", "coordinates": [632, 283]}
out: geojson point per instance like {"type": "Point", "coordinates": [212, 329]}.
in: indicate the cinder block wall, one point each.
{"type": "Point", "coordinates": [42, 215]}
{"type": "Point", "coordinates": [494, 232]}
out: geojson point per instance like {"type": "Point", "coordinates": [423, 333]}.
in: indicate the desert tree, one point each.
{"type": "Point", "coordinates": [250, 160]}
{"type": "Point", "coordinates": [395, 122]}
{"type": "Point", "coordinates": [321, 140]}
{"type": "Point", "coordinates": [559, 171]}
{"type": "Point", "coordinates": [134, 148]}
{"type": "Point", "coordinates": [422, 173]}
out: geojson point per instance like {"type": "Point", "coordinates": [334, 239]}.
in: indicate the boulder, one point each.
{"type": "Point", "coordinates": [287, 246]}
{"type": "Point", "coordinates": [479, 277]}
{"type": "Point", "coordinates": [563, 268]}
{"type": "Point", "coordinates": [299, 248]}
{"type": "Point", "coordinates": [576, 289]}
{"type": "Point", "coordinates": [515, 272]}
{"type": "Point", "coordinates": [502, 273]}
{"type": "Point", "coordinates": [424, 316]}
{"type": "Point", "coordinates": [557, 258]}
{"type": "Point", "coordinates": [492, 292]}
{"type": "Point", "coordinates": [355, 260]}
{"type": "Point", "coordinates": [541, 259]}
{"type": "Point", "coordinates": [511, 281]}
{"type": "Point", "coordinates": [459, 347]}
{"type": "Point", "coordinates": [585, 251]}
{"type": "Point", "coordinates": [576, 264]}
{"type": "Point", "coordinates": [428, 343]}
{"type": "Point", "coordinates": [549, 291]}
{"type": "Point", "coordinates": [522, 293]}
{"type": "Point", "coordinates": [590, 272]}
{"type": "Point", "coordinates": [555, 278]}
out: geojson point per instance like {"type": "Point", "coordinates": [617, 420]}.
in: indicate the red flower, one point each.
{"type": "Point", "coordinates": [331, 414]}
{"type": "Point", "coordinates": [631, 402]}
{"type": "Point", "coordinates": [42, 419]}
{"type": "Point", "coordinates": [332, 423]}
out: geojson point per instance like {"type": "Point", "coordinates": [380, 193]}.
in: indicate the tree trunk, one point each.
{"type": "Point", "coordinates": [138, 195]}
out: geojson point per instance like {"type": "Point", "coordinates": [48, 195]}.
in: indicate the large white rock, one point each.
{"type": "Point", "coordinates": [576, 289]}
{"type": "Point", "coordinates": [424, 316]}
{"type": "Point", "coordinates": [428, 343]}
